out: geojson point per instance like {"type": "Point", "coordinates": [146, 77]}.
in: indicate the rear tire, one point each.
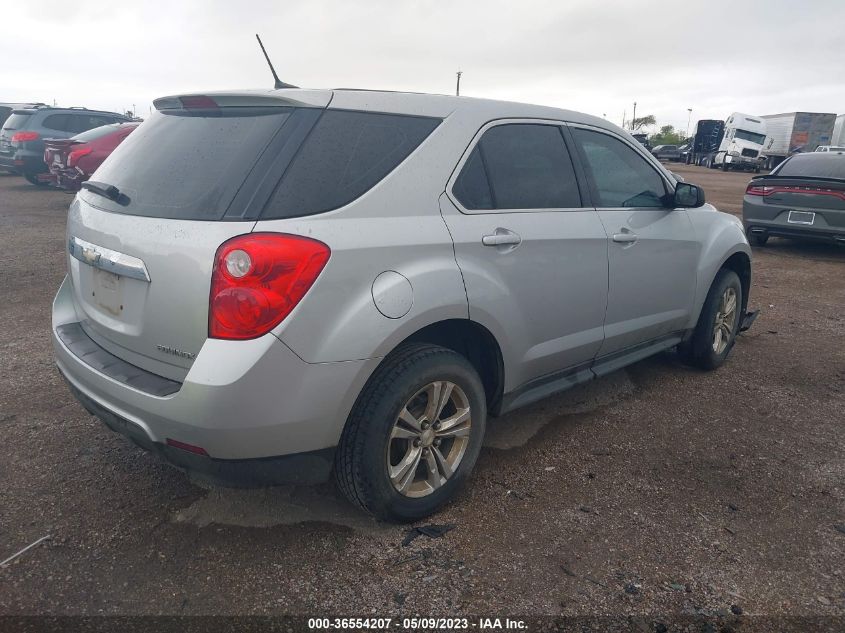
{"type": "Point", "coordinates": [384, 463]}
{"type": "Point", "coordinates": [706, 349]}
{"type": "Point", "coordinates": [726, 166]}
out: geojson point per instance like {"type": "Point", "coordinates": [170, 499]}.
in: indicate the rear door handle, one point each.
{"type": "Point", "coordinates": [625, 237]}
{"type": "Point", "coordinates": [502, 237]}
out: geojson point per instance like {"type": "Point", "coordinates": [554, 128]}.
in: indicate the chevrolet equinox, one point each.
{"type": "Point", "coordinates": [280, 285]}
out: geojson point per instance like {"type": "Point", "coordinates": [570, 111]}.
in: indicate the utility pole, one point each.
{"type": "Point", "coordinates": [634, 117]}
{"type": "Point", "coordinates": [689, 118]}
{"type": "Point", "coordinates": [458, 86]}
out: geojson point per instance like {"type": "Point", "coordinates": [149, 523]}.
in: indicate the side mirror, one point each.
{"type": "Point", "coordinates": [687, 195]}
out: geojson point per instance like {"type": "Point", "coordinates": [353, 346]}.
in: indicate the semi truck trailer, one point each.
{"type": "Point", "coordinates": [794, 132]}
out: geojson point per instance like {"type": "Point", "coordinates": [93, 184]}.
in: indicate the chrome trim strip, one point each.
{"type": "Point", "coordinates": [107, 259]}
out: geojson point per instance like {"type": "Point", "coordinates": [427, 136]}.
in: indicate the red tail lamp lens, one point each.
{"type": "Point", "coordinates": [20, 137]}
{"type": "Point", "coordinates": [76, 154]}
{"type": "Point", "coordinates": [258, 280]}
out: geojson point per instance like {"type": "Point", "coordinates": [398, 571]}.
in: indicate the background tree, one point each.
{"type": "Point", "coordinates": [666, 136]}
{"type": "Point", "coordinates": [641, 122]}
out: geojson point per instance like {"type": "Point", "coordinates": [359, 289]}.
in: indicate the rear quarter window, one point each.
{"type": "Point", "coordinates": [345, 155]}
{"type": "Point", "coordinates": [16, 121]}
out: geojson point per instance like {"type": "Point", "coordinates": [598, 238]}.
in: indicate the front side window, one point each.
{"type": "Point", "coordinates": [518, 166]}
{"type": "Point", "coordinates": [620, 176]}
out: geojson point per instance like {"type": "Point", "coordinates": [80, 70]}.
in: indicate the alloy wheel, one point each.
{"type": "Point", "coordinates": [723, 326]}
{"type": "Point", "coordinates": [428, 439]}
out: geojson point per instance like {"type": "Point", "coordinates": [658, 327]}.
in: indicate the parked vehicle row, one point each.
{"type": "Point", "coordinates": [25, 132]}
{"type": "Point", "coordinates": [72, 161]}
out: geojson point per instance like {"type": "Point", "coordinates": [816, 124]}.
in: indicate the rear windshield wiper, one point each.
{"type": "Point", "coordinates": [102, 189]}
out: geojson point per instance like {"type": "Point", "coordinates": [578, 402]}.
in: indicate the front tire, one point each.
{"type": "Point", "coordinates": [718, 324]}
{"type": "Point", "coordinates": [414, 433]}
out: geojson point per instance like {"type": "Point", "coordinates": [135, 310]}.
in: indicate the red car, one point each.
{"type": "Point", "coordinates": [72, 160]}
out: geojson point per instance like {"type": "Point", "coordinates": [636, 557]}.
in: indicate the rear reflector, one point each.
{"type": "Point", "coordinates": [258, 279]}
{"type": "Point", "coordinates": [20, 137]}
{"type": "Point", "coordinates": [197, 450]}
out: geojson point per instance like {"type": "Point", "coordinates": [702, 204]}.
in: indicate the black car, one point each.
{"type": "Point", "coordinates": [23, 133]}
{"type": "Point", "coordinates": [803, 197]}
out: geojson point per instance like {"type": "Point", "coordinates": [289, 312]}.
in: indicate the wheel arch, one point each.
{"type": "Point", "coordinates": [740, 263]}
{"type": "Point", "coordinates": [474, 342]}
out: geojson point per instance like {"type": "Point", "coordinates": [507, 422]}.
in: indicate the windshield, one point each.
{"type": "Point", "coordinates": [753, 137]}
{"type": "Point", "coordinates": [16, 121]}
{"type": "Point", "coordinates": [187, 164]}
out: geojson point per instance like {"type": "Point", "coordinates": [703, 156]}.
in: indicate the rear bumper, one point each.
{"type": "Point", "coordinates": [760, 218]}
{"type": "Point", "coordinates": [22, 162]}
{"type": "Point", "coordinates": [245, 403]}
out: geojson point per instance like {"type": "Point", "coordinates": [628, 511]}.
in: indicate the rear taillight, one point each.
{"type": "Point", "coordinates": [20, 137]}
{"type": "Point", "coordinates": [258, 279]}
{"type": "Point", "coordinates": [761, 190]}
{"type": "Point", "coordinates": [76, 154]}
{"type": "Point", "coordinates": [757, 190]}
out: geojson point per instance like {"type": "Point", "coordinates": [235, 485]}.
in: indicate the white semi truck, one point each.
{"type": "Point", "coordinates": [795, 132]}
{"type": "Point", "coordinates": [742, 145]}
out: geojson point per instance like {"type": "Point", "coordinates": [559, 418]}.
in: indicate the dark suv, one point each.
{"type": "Point", "coordinates": [23, 134]}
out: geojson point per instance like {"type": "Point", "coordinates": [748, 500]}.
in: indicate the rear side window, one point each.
{"type": "Point", "coordinates": [59, 122]}
{"type": "Point", "coordinates": [823, 165]}
{"type": "Point", "coordinates": [345, 155]}
{"type": "Point", "coordinates": [519, 166]}
{"type": "Point", "coordinates": [621, 177]}
{"type": "Point", "coordinates": [187, 164]}
{"type": "Point", "coordinates": [17, 121]}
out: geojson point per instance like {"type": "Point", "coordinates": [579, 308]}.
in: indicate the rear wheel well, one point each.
{"type": "Point", "coordinates": [475, 343]}
{"type": "Point", "coordinates": [740, 263]}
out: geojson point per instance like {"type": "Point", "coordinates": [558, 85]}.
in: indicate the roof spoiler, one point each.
{"type": "Point", "coordinates": [258, 98]}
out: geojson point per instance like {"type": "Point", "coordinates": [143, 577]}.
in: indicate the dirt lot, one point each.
{"type": "Point", "coordinates": [659, 490]}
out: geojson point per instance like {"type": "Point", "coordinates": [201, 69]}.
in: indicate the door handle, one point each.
{"type": "Point", "coordinates": [502, 237]}
{"type": "Point", "coordinates": [625, 237]}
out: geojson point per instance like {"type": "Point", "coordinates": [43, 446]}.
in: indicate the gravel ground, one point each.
{"type": "Point", "coordinates": [658, 490]}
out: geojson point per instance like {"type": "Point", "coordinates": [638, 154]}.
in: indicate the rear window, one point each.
{"type": "Point", "coordinates": [344, 156]}
{"type": "Point", "coordinates": [16, 121]}
{"type": "Point", "coordinates": [821, 165]}
{"type": "Point", "coordinates": [187, 164]}
{"type": "Point", "coordinates": [97, 132]}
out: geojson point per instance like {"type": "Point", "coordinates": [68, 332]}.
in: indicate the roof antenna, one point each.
{"type": "Point", "coordinates": [279, 83]}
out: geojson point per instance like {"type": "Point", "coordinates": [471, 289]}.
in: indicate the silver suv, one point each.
{"type": "Point", "coordinates": [271, 286]}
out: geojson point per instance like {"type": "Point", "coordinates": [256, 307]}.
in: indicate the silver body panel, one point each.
{"type": "Point", "coordinates": [563, 296]}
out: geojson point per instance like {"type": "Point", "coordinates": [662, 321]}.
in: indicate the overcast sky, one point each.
{"type": "Point", "coordinates": [596, 56]}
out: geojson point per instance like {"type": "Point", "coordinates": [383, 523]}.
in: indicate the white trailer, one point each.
{"type": "Point", "coordinates": [794, 132]}
{"type": "Point", "coordinates": [839, 131]}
